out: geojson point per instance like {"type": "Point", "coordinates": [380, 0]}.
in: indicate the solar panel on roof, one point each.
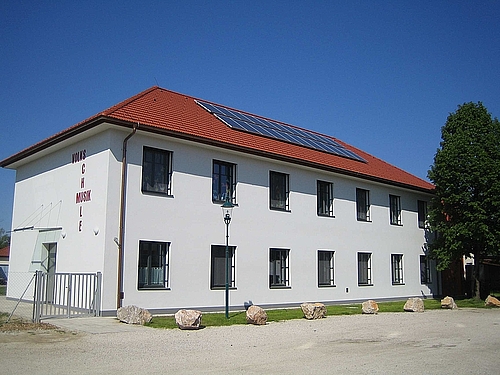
{"type": "Point", "coordinates": [272, 129]}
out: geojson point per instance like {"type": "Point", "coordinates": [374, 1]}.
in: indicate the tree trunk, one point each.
{"type": "Point", "coordinates": [477, 282]}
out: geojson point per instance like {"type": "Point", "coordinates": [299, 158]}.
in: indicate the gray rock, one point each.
{"type": "Point", "coordinates": [492, 301]}
{"type": "Point", "coordinates": [448, 303]}
{"type": "Point", "coordinates": [369, 307]}
{"type": "Point", "coordinates": [313, 310]}
{"type": "Point", "coordinates": [414, 305]}
{"type": "Point", "coordinates": [256, 315]}
{"type": "Point", "coordinates": [133, 315]}
{"type": "Point", "coordinates": [188, 319]}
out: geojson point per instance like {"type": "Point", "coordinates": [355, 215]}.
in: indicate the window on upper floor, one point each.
{"type": "Point", "coordinates": [422, 214]}
{"type": "Point", "coordinates": [218, 267]}
{"type": "Point", "coordinates": [153, 265]}
{"type": "Point", "coordinates": [395, 209]}
{"type": "Point", "coordinates": [223, 181]}
{"type": "Point", "coordinates": [325, 268]}
{"type": "Point", "coordinates": [279, 275]}
{"type": "Point", "coordinates": [324, 198]}
{"type": "Point", "coordinates": [156, 171]}
{"type": "Point", "coordinates": [279, 191]}
{"type": "Point", "coordinates": [397, 269]}
{"type": "Point", "coordinates": [362, 204]}
{"type": "Point", "coordinates": [365, 269]}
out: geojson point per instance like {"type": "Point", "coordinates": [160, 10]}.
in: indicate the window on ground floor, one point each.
{"type": "Point", "coordinates": [365, 269]}
{"type": "Point", "coordinates": [325, 268]}
{"type": "Point", "coordinates": [218, 267]}
{"type": "Point", "coordinates": [397, 268]}
{"type": "Point", "coordinates": [279, 275]}
{"type": "Point", "coordinates": [425, 270]}
{"type": "Point", "coordinates": [153, 264]}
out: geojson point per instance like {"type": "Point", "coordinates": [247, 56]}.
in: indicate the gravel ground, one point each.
{"type": "Point", "coordinates": [465, 341]}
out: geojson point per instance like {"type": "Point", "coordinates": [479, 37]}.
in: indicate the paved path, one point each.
{"type": "Point", "coordinates": [465, 341]}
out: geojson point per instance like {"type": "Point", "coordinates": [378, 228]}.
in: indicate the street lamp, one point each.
{"type": "Point", "coordinates": [227, 210]}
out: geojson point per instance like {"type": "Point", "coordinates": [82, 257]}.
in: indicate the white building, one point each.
{"type": "Point", "coordinates": [151, 173]}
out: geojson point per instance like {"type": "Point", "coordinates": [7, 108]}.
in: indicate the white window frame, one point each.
{"type": "Point", "coordinates": [362, 204]}
{"type": "Point", "coordinates": [326, 268]}
{"type": "Point", "coordinates": [395, 209]}
{"type": "Point", "coordinates": [397, 269]}
{"type": "Point", "coordinates": [149, 183]}
{"type": "Point", "coordinates": [147, 276]}
{"type": "Point", "coordinates": [324, 193]}
{"type": "Point", "coordinates": [218, 252]}
{"type": "Point", "coordinates": [276, 202]}
{"type": "Point", "coordinates": [279, 268]}
{"type": "Point", "coordinates": [218, 196]}
{"type": "Point", "coordinates": [365, 269]}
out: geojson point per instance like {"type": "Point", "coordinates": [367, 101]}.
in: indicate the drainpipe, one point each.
{"type": "Point", "coordinates": [123, 200]}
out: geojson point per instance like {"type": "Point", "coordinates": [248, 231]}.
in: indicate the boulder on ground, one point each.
{"type": "Point", "coordinates": [256, 315]}
{"type": "Point", "coordinates": [369, 307]}
{"type": "Point", "coordinates": [188, 319]}
{"type": "Point", "coordinates": [448, 303]}
{"type": "Point", "coordinates": [133, 315]}
{"type": "Point", "coordinates": [313, 310]}
{"type": "Point", "coordinates": [414, 305]}
{"type": "Point", "coordinates": [492, 301]}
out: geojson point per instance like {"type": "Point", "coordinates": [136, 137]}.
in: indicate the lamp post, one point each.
{"type": "Point", "coordinates": [227, 210]}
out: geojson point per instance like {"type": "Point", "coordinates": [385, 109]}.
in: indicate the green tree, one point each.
{"type": "Point", "coordinates": [4, 238]}
{"type": "Point", "coordinates": [465, 211]}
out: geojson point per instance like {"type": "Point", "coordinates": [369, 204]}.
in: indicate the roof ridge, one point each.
{"type": "Point", "coordinates": [109, 111]}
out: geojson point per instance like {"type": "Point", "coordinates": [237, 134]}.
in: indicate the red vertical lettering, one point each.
{"type": "Point", "coordinates": [83, 168]}
{"type": "Point", "coordinates": [81, 211]}
{"type": "Point", "coordinates": [82, 182]}
{"type": "Point", "coordinates": [80, 225]}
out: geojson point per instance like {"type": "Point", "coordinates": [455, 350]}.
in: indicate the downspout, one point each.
{"type": "Point", "coordinates": [123, 200]}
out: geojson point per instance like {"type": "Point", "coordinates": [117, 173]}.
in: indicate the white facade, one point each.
{"type": "Point", "coordinates": [85, 227]}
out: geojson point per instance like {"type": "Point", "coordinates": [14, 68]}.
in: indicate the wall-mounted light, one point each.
{"type": "Point", "coordinates": [63, 234]}
{"type": "Point", "coordinates": [96, 230]}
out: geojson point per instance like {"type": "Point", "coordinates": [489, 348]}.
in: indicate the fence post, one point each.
{"type": "Point", "coordinates": [68, 296]}
{"type": "Point", "coordinates": [97, 298]}
{"type": "Point", "coordinates": [37, 296]}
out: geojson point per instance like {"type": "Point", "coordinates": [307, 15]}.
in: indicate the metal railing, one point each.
{"type": "Point", "coordinates": [66, 295]}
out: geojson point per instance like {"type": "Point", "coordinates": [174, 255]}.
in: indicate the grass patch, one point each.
{"type": "Point", "coordinates": [3, 290]}
{"type": "Point", "coordinates": [239, 317]}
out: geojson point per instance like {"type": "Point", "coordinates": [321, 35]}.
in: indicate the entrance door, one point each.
{"type": "Point", "coordinates": [49, 266]}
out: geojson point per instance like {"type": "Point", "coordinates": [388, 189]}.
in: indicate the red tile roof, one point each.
{"type": "Point", "coordinates": [163, 111]}
{"type": "Point", "coordinates": [4, 252]}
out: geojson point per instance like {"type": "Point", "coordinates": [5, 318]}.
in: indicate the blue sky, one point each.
{"type": "Point", "coordinates": [380, 75]}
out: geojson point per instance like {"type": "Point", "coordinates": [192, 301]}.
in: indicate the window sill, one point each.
{"type": "Point", "coordinates": [364, 221]}
{"type": "Point", "coordinates": [214, 201]}
{"type": "Point", "coordinates": [327, 286]}
{"type": "Point", "coordinates": [223, 288]}
{"type": "Point", "coordinates": [396, 224]}
{"type": "Point", "coordinates": [396, 284]}
{"type": "Point", "coordinates": [325, 215]}
{"type": "Point", "coordinates": [152, 288]}
{"type": "Point", "coordinates": [279, 287]}
{"type": "Point", "coordinates": [279, 209]}
{"type": "Point", "coordinates": [157, 193]}
{"type": "Point", "coordinates": [365, 284]}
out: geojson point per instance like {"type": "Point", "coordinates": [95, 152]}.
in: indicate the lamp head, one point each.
{"type": "Point", "coordinates": [227, 210]}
